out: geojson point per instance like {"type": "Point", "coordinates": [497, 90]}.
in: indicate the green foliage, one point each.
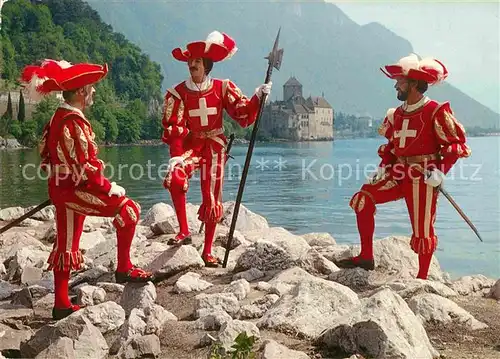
{"type": "Point", "coordinates": [243, 348]}
{"type": "Point", "coordinates": [9, 112]}
{"type": "Point", "coordinates": [73, 31]}
{"type": "Point", "coordinates": [21, 115]}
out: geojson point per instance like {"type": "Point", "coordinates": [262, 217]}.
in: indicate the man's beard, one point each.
{"type": "Point", "coordinates": [402, 95]}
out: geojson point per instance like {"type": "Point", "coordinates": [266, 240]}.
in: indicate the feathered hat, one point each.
{"type": "Point", "coordinates": [428, 69]}
{"type": "Point", "coordinates": [54, 75]}
{"type": "Point", "coordinates": [217, 47]}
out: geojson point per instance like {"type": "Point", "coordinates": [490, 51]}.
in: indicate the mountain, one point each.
{"type": "Point", "coordinates": [327, 51]}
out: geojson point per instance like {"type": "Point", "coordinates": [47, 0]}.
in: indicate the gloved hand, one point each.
{"type": "Point", "coordinates": [116, 190]}
{"type": "Point", "coordinates": [434, 178]}
{"type": "Point", "coordinates": [264, 88]}
{"type": "Point", "coordinates": [178, 160]}
{"type": "Point", "coordinates": [377, 176]}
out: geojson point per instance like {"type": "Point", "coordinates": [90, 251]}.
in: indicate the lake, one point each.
{"type": "Point", "coordinates": [306, 187]}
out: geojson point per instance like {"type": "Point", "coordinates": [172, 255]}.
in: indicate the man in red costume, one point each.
{"type": "Point", "coordinates": [193, 128]}
{"type": "Point", "coordinates": [77, 186]}
{"type": "Point", "coordinates": [424, 140]}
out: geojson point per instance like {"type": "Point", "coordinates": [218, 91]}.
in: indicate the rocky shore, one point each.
{"type": "Point", "coordinates": [280, 288]}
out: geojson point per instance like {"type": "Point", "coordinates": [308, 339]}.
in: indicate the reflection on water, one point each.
{"type": "Point", "coordinates": [306, 187]}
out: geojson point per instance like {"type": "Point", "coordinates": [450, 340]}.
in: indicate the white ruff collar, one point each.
{"type": "Point", "coordinates": [415, 106]}
{"type": "Point", "coordinates": [67, 106]}
{"type": "Point", "coordinates": [205, 85]}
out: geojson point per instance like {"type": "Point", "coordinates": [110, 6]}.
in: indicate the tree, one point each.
{"type": "Point", "coordinates": [22, 108]}
{"type": "Point", "coordinates": [9, 113]}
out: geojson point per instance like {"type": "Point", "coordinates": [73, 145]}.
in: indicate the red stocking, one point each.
{"type": "Point", "coordinates": [424, 262]}
{"type": "Point", "coordinates": [209, 237]}
{"type": "Point", "coordinates": [61, 280]}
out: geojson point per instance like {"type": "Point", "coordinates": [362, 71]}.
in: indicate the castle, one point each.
{"type": "Point", "coordinates": [296, 118]}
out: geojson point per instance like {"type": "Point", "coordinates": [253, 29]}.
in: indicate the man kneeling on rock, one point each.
{"type": "Point", "coordinates": [424, 140]}
{"type": "Point", "coordinates": [77, 186]}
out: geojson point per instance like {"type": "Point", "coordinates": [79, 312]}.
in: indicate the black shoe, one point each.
{"type": "Point", "coordinates": [356, 262]}
{"type": "Point", "coordinates": [134, 275]}
{"type": "Point", "coordinates": [58, 314]}
{"type": "Point", "coordinates": [211, 261]}
{"type": "Point", "coordinates": [180, 239]}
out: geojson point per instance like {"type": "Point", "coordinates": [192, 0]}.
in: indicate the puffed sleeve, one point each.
{"type": "Point", "coordinates": [240, 108]}
{"type": "Point", "coordinates": [450, 135]}
{"type": "Point", "coordinates": [76, 149]}
{"type": "Point", "coordinates": [386, 129]}
{"type": "Point", "coordinates": [174, 122]}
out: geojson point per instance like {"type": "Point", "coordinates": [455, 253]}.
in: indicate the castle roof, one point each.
{"type": "Point", "coordinates": [318, 102]}
{"type": "Point", "coordinates": [292, 81]}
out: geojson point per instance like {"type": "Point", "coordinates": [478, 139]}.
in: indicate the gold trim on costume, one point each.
{"type": "Point", "coordinates": [81, 209]}
{"type": "Point", "coordinates": [90, 198]}
{"type": "Point", "coordinates": [440, 132]}
{"type": "Point", "coordinates": [416, 208]}
{"type": "Point", "coordinates": [428, 203]}
{"type": "Point", "coordinates": [390, 184]}
{"type": "Point", "coordinates": [180, 112]}
{"type": "Point", "coordinates": [169, 106]}
{"type": "Point", "coordinates": [70, 229]}
{"type": "Point", "coordinates": [450, 122]}
{"type": "Point", "coordinates": [174, 92]}
{"type": "Point", "coordinates": [69, 143]}
{"type": "Point", "coordinates": [231, 98]}
{"type": "Point", "coordinates": [361, 203]}
{"type": "Point", "coordinates": [131, 213]}
{"type": "Point", "coordinates": [83, 140]}
{"type": "Point", "coordinates": [120, 220]}
{"type": "Point", "coordinates": [60, 154]}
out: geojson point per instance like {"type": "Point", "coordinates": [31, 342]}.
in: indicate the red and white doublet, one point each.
{"type": "Point", "coordinates": [193, 127]}
{"type": "Point", "coordinates": [420, 138]}
{"type": "Point", "coordinates": [76, 185]}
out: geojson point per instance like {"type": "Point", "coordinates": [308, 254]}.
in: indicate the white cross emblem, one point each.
{"type": "Point", "coordinates": [203, 112]}
{"type": "Point", "coordinates": [404, 133]}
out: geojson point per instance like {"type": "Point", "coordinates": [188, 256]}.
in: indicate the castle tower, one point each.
{"type": "Point", "coordinates": [292, 88]}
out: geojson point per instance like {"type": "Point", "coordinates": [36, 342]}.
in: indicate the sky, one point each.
{"type": "Point", "coordinates": [463, 35]}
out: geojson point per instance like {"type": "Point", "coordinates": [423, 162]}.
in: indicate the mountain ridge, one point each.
{"type": "Point", "coordinates": [325, 49]}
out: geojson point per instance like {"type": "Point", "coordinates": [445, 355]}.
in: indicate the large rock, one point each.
{"type": "Point", "coordinates": [286, 280]}
{"type": "Point", "coordinates": [222, 236]}
{"type": "Point", "coordinates": [249, 275]}
{"type": "Point", "coordinates": [176, 259]}
{"type": "Point", "coordinates": [247, 220]}
{"type": "Point", "coordinates": [29, 256]}
{"type": "Point", "coordinates": [158, 213]}
{"type": "Point", "coordinates": [240, 288]}
{"type": "Point", "coordinates": [106, 316]}
{"type": "Point", "coordinates": [46, 214]}
{"type": "Point", "coordinates": [353, 278]}
{"type": "Point", "coordinates": [91, 239]}
{"type": "Point", "coordinates": [138, 295]}
{"type": "Point", "coordinates": [382, 327]}
{"type": "Point", "coordinates": [61, 348]}
{"type": "Point", "coordinates": [411, 287]}
{"type": "Point", "coordinates": [273, 350]}
{"type": "Point", "coordinates": [88, 342]}
{"type": "Point", "coordinates": [191, 282]}
{"type": "Point", "coordinates": [147, 346]}
{"type": "Point", "coordinates": [90, 295]}
{"type": "Point", "coordinates": [7, 290]}
{"type": "Point", "coordinates": [495, 291]}
{"type": "Point", "coordinates": [210, 303]}
{"type": "Point", "coordinates": [473, 285]}
{"type": "Point", "coordinates": [230, 330]}
{"type": "Point", "coordinates": [11, 338]}
{"type": "Point", "coordinates": [317, 264]}
{"type": "Point", "coordinates": [12, 242]}
{"type": "Point", "coordinates": [258, 307]}
{"type": "Point", "coordinates": [394, 257]}
{"type": "Point", "coordinates": [276, 249]}
{"type": "Point", "coordinates": [319, 239]}
{"type": "Point", "coordinates": [310, 307]}
{"type": "Point", "coordinates": [11, 213]}
{"type": "Point", "coordinates": [431, 308]}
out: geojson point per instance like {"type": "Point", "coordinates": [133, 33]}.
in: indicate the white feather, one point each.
{"type": "Point", "coordinates": [409, 62]}
{"type": "Point", "coordinates": [31, 88]}
{"type": "Point", "coordinates": [215, 37]}
{"type": "Point", "coordinates": [63, 64]}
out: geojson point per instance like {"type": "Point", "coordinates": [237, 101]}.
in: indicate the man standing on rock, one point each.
{"type": "Point", "coordinates": [77, 186]}
{"type": "Point", "coordinates": [424, 142]}
{"type": "Point", "coordinates": [193, 128]}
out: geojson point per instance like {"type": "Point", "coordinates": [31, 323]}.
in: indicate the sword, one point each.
{"type": "Point", "coordinates": [26, 215]}
{"type": "Point", "coordinates": [459, 210]}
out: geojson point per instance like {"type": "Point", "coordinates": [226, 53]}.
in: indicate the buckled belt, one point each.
{"type": "Point", "coordinates": [418, 159]}
{"type": "Point", "coordinates": [208, 134]}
